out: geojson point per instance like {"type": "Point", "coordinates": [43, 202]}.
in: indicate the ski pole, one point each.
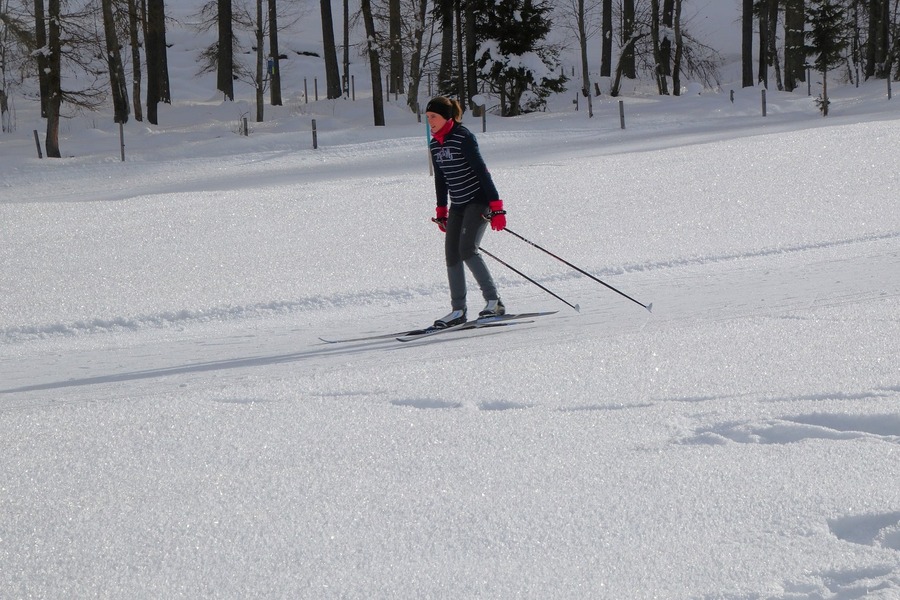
{"type": "Point", "coordinates": [649, 307]}
{"type": "Point", "coordinates": [513, 269]}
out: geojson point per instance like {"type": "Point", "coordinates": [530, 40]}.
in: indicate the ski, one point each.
{"type": "Point", "coordinates": [366, 338]}
{"type": "Point", "coordinates": [499, 321]}
{"type": "Point", "coordinates": [417, 333]}
{"type": "Point", "coordinates": [464, 327]}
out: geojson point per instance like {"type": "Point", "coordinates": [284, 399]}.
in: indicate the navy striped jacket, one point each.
{"type": "Point", "coordinates": [459, 170]}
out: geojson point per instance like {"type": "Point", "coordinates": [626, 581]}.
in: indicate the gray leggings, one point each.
{"type": "Point", "coordinates": [465, 228]}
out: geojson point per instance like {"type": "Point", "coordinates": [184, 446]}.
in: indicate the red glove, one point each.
{"type": "Point", "coordinates": [440, 217]}
{"type": "Point", "coordinates": [497, 216]}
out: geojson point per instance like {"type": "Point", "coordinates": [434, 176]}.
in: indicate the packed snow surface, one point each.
{"type": "Point", "coordinates": [173, 427]}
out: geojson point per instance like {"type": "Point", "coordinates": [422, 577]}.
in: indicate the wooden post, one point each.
{"type": "Point", "coordinates": [122, 140]}
{"type": "Point", "coordinates": [889, 85]}
{"type": "Point", "coordinates": [37, 142]}
{"type": "Point", "coordinates": [353, 87]}
{"type": "Point", "coordinates": [315, 136]}
{"type": "Point", "coordinates": [305, 92]}
{"type": "Point", "coordinates": [622, 113]}
{"type": "Point", "coordinates": [316, 87]}
{"type": "Point", "coordinates": [763, 94]}
{"type": "Point", "coordinates": [732, 96]}
{"type": "Point", "coordinates": [479, 104]}
{"type": "Point", "coordinates": [246, 127]}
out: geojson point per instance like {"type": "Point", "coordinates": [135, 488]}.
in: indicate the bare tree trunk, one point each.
{"type": "Point", "coordinates": [747, 43]}
{"type": "Point", "coordinates": [54, 74]}
{"type": "Point", "coordinates": [225, 55]}
{"type": "Point", "coordinates": [133, 21]}
{"type": "Point", "coordinates": [794, 51]}
{"type": "Point", "coordinates": [5, 124]}
{"type": "Point", "coordinates": [665, 44]}
{"type": "Point", "coordinates": [679, 49]}
{"type": "Point", "coordinates": [396, 48]}
{"type": "Point", "coordinates": [40, 41]}
{"type": "Point", "coordinates": [884, 38]}
{"type": "Point", "coordinates": [471, 49]}
{"type": "Point", "coordinates": [332, 71]}
{"type": "Point", "coordinates": [275, 54]}
{"type": "Point", "coordinates": [415, 63]}
{"type": "Point", "coordinates": [445, 70]}
{"type": "Point", "coordinates": [585, 70]}
{"type": "Point", "coordinates": [856, 46]}
{"type": "Point", "coordinates": [606, 44]}
{"type": "Point", "coordinates": [157, 65]}
{"type": "Point", "coordinates": [621, 66]}
{"type": "Point", "coordinates": [260, 63]}
{"type": "Point", "coordinates": [871, 46]}
{"type": "Point", "coordinates": [346, 46]}
{"type": "Point", "coordinates": [762, 75]}
{"type": "Point", "coordinates": [658, 70]}
{"type": "Point", "coordinates": [773, 43]}
{"type": "Point", "coordinates": [627, 65]}
{"type": "Point", "coordinates": [121, 110]}
{"type": "Point", "coordinates": [374, 64]}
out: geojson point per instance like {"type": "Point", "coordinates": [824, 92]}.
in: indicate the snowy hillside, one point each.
{"type": "Point", "coordinates": [173, 427]}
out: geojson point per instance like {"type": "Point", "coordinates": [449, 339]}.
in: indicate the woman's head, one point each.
{"type": "Point", "coordinates": [440, 110]}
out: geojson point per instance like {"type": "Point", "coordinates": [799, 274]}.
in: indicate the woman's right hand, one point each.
{"type": "Point", "coordinates": [440, 217]}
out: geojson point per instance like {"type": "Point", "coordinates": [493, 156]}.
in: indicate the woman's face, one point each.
{"type": "Point", "coordinates": [435, 121]}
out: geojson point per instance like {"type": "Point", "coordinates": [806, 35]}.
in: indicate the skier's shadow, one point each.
{"type": "Point", "coordinates": [203, 367]}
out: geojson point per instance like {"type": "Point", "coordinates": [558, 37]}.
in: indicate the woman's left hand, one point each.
{"type": "Point", "coordinates": [497, 216]}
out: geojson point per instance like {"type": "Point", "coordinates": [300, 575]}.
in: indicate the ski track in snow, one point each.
{"type": "Point", "coordinates": [369, 298]}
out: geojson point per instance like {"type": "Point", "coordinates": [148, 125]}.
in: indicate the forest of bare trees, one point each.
{"type": "Point", "coordinates": [83, 54]}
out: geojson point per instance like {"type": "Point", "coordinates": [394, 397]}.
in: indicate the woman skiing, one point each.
{"type": "Point", "coordinates": [460, 173]}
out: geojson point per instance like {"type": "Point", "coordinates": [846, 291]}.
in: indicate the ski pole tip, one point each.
{"type": "Point", "coordinates": [650, 307]}
{"type": "Point", "coordinates": [577, 308]}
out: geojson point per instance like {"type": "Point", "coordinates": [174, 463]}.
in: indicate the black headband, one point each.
{"type": "Point", "coordinates": [442, 108]}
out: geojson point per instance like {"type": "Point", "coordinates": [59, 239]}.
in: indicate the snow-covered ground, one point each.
{"type": "Point", "coordinates": [172, 426]}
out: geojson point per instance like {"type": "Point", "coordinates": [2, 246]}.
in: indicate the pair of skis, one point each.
{"type": "Point", "coordinates": [418, 334]}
